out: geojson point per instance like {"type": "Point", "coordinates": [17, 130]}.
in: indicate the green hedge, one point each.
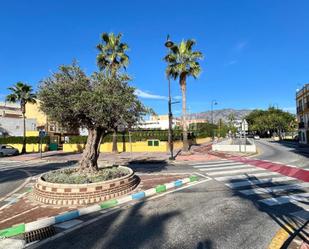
{"type": "Point", "coordinates": [135, 136]}
{"type": "Point", "coordinates": [19, 140]}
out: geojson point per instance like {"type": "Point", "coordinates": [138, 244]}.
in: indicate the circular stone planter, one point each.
{"type": "Point", "coordinates": [82, 194]}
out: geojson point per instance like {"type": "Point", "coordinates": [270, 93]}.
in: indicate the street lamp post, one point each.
{"type": "Point", "coordinates": [213, 102]}
{"type": "Point", "coordinates": [168, 44]}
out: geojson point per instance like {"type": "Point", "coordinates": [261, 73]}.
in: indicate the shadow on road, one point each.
{"type": "Point", "coordinates": [130, 228]}
{"type": "Point", "coordinates": [279, 213]}
{"type": "Point", "coordinates": [294, 146]}
{"type": "Point", "coordinates": [148, 166]}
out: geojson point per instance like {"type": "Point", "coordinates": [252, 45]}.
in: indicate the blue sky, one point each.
{"type": "Point", "coordinates": [256, 52]}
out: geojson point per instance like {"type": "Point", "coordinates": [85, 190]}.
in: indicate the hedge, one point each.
{"type": "Point", "coordinates": [19, 140]}
{"type": "Point", "coordinates": [135, 136]}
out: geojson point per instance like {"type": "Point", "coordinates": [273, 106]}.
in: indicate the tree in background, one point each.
{"type": "Point", "coordinates": [182, 63]}
{"type": "Point", "coordinates": [23, 94]}
{"type": "Point", "coordinates": [90, 103]}
{"type": "Point", "coordinates": [270, 121]}
{"type": "Point", "coordinates": [111, 58]}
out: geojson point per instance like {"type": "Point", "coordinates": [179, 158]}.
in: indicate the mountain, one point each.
{"type": "Point", "coordinates": [220, 114]}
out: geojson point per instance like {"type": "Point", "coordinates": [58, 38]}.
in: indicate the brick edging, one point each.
{"type": "Point", "coordinates": [34, 225]}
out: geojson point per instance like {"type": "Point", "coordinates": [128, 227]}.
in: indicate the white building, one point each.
{"type": "Point", "coordinates": [158, 122]}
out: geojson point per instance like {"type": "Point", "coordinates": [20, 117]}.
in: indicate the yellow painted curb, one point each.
{"type": "Point", "coordinates": [280, 237]}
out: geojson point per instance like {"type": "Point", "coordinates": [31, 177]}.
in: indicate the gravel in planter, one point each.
{"type": "Point", "coordinates": [72, 176]}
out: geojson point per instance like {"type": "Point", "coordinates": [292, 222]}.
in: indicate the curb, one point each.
{"type": "Point", "coordinates": [34, 225]}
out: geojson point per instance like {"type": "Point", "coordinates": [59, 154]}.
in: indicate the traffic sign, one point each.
{"type": "Point", "coordinates": [42, 133]}
{"type": "Point", "coordinates": [244, 125]}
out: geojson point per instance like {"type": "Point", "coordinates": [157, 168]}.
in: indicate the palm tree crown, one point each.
{"type": "Point", "coordinates": [112, 53]}
{"type": "Point", "coordinates": [182, 61]}
{"type": "Point", "coordinates": [21, 93]}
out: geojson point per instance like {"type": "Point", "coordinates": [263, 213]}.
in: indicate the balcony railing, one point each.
{"type": "Point", "coordinates": [301, 125]}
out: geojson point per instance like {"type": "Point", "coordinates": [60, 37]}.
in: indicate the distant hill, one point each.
{"type": "Point", "coordinates": [220, 114]}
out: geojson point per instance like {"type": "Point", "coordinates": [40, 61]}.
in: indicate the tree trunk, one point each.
{"type": "Point", "coordinates": [89, 161]}
{"type": "Point", "coordinates": [184, 113]}
{"type": "Point", "coordinates": [115, 149]}
{"type": "Point", "coordinates": [124, 141]}
{"type": "Point", "coordinates": [23, 150]}
{"type": "Point", "coordinates": [23, 110]}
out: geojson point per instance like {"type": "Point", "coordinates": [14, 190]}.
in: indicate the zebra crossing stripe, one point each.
{"type": "Point", "coordinates": [225, 168]}
{"type": "Point", "coordinates": [220, 166]}
{"type": "Point", "coordinates": [252, 169]}
{"type": "Point", "coordinates": [259, 181]}
{"type": "Point", "coordinates": [302, 214]}
{"type": "Point", "coordinates": [274, 189]}
{"type": "Point", "coordinates": [245, 176]}
{"type": "Point", "coordinates": [214, 162]}
{"type": "Point", "coordinates": [285, 199]}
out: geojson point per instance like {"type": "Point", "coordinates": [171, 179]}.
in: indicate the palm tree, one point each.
{"type": "Point", "coordinates": [111, 58]}
{"type": "Point", "coordinates": [23, 94]}
{"type": "Point", "coordinates": [182, 63]}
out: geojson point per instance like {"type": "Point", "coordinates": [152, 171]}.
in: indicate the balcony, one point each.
{"type": "Point", "coordinates": [301, 125]}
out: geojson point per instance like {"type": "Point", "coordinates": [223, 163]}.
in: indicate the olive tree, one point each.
{"type": "Point", "coordinates": [74, 100]}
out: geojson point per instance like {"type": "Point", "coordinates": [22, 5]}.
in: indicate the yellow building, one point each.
{"type": "Point", "coordinates": [302, 103]}
{"type": "Point", "coordinates": [54, 130]}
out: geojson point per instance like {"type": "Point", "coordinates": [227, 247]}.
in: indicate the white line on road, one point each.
{"type": "Point", "coordinates": [225, 168]}
{"type": "Point", "coordinates": [259, 181]}
{"type": "Point", "coordinates": [245, 176]}
{"type": "Point", "coordinates": [285, 199]}
{"type": "Point", "coordinates": [217, 166]}
{"type": "Point", "coordinates": [235, 171]}
{"type": "Point", "coordinates": [274, 189]}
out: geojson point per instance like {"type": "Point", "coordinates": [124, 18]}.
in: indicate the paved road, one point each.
{"type": "Point", "coordinates": [288, 153]}
{"type": "Point", "coordinates": [203, 216]}
{"type": "Point", "coordinates": [14, 173]}
{"type": "Point", "coordinates": [241, 207]}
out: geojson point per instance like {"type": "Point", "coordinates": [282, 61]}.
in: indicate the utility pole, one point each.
{"type": "Point", "coordinates": [168, 44]}
{"type": "Point", "coordinates": [213, 102]}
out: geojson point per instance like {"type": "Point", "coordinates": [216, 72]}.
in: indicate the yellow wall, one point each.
{"type": "Point", "coordinates": [107, 147]}
{"type": "Point", "coordinates": [32, 133]}
{"type": "Point", "coordinates": [30, 147]}
{"type": "Point", "coordinates": [141, 146]}
{"type": "Point", "coordinates": [32, 111]}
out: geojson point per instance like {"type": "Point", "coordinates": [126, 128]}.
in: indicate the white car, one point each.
{"type": "Point", "coordinates": [7, 150]}
{"type": "Point", "coordinates": [256, 137]}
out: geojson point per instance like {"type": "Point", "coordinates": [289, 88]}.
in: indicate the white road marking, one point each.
{"type": "Point", "coordinates": [210, 166]}
{"type": "Point", "coordinates": [235, 171]}
{"type": "Point", "coordinates": [245, 176]}
{"type": "Point", "coordinates": [259, 181]}
{"type": "Point", "coordinates": [285, 199]}
{"type": "Point", "coordinates": [225, 168]}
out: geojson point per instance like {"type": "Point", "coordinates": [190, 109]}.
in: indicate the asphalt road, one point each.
{"type": "Point", "coordinates": [207, 215]}
{"type": "Point", "coordinates": [13, 174]}
{"type": "Point", "coordinates": [288, 153]}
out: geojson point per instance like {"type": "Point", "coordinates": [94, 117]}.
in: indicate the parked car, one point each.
{"type": "Point", "coordinates": [7, 150]}
{"type": "Point", "coordinates": [257, 137]}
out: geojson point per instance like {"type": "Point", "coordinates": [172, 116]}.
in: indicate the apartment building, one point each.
{"type": "Point", "coordinates": [302, 103]}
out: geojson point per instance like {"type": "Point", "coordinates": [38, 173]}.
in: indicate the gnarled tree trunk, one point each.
{"type": "Point", "coordinates": [115, 149]}
{"type": "Point", "coordinates": [184, 113]}
{"type": "Point", "coordinates": [89, 161]}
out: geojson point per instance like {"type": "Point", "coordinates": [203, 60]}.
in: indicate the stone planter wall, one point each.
{"type": "Point", "coordinates": [83, 194]}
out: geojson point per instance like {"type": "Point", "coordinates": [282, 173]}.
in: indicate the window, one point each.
{"type": "Point", "coordinates": [153, 142]}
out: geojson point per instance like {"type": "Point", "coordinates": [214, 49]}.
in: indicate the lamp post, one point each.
{"type": "Point", "coordinates": [168, 44]}
{"type": "Point", "coordinates": [213, 102]}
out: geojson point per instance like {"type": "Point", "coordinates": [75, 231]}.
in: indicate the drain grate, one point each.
{"type": "Point", "coordinates": [39, 234]}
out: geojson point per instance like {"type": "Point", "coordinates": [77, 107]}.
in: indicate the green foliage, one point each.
{"type": "Point", "coordinates": [135, 136]}
{"type": "Point", "coordinates": [19, 140]}
{"type": "Point", "coordinates": [73, 100]}
{"type": "Point", "coordinates": [72, 176]}
{"type": "Point", "coordinates": [272, 120]}
{"type": "Point", "coordinates": [182, 60]}
{"type": "Point", "coordinates": [21, 93]}
{"type": "Point", "coordinates": [112, 53]}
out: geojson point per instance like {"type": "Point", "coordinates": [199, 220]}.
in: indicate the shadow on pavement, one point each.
{"type": "Point", "coordinates": [148, 166]}
{"type": "Point", "coordinates": [279, 213]}
{"type": "Point", "coordinates": [295, 147]}
{"type": "Point", "coordinates": [123, 229]}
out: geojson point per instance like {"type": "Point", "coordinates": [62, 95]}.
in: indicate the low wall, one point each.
{"type": "Point", "coordinates": [107, 147]}
{"type": "Point", "coordinates": [30, 147]}
{"type": "Point", "coordinates": [83, 194]}
{"type": "Point", "coordinates": [228, 147]}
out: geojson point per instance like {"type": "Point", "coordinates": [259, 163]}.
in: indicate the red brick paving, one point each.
{"type": "Point", "coordinates": [26, 210]}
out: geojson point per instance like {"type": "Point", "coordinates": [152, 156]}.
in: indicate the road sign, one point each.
{"type": "Point", "coordinates": [244, 125]}
{"type": "Point", "coordinates": [42, 133]}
